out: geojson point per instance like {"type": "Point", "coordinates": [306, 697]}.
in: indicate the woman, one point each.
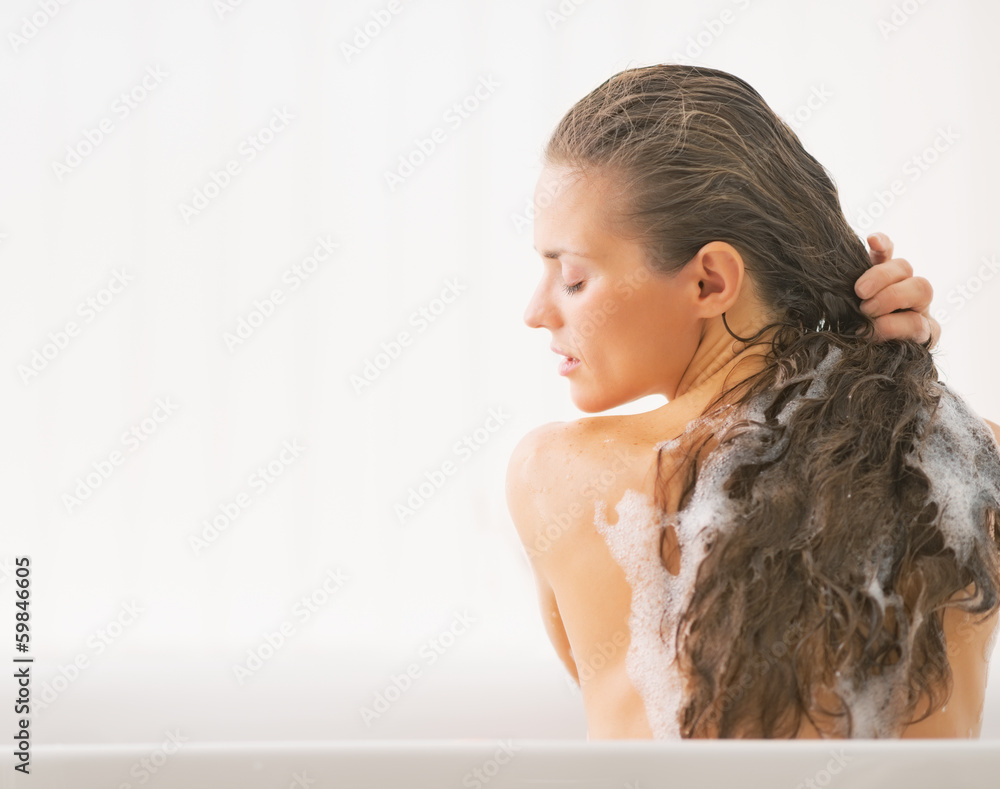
{"type": "Point", "coordinates": [802, 542]}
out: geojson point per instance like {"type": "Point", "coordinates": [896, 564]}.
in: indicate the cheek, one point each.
{"type": "Point", "coordinates": [656, 334]}
{"type": "Point", "coordinates": [618, 344]}
{"type": "Point", "coordinates": [590, 319]}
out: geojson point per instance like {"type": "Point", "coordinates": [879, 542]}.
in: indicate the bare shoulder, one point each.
{"type": "Point", "coordinates": [553, 447]}
{"type": "Point", "coordinates": [558, 467]}
{"type": "Point", "coordinates": [528, 462]}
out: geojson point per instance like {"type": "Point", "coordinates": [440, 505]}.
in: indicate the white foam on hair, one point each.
{"type": "Point", "coordinates": [876, 592]}
{"type": "Point", "coordinates": [877, 704]}
{"type": "Point", "coordinates": [659, 598]}
{"type": "Point", "coordinates": [959, 458]}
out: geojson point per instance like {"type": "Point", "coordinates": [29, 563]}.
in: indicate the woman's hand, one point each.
{"type": "Point", "coordinates": [888, 286]}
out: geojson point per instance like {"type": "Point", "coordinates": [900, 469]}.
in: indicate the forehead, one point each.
{"type": "Point", "coordinates": [572, 209]}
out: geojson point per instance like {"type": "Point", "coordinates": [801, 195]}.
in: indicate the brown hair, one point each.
{"type": "Point", "coordinates": [829, 491]}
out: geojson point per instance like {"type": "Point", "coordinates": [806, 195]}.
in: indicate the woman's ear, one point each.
{"type": "Point", "coordinates": [719, 271]}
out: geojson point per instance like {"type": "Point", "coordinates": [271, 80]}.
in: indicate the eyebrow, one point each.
{"type": "Point", "coordinates": [554, 253]}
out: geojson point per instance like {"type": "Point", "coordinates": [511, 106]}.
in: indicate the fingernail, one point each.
{"type": "Point", "coordinates": [864, 288]}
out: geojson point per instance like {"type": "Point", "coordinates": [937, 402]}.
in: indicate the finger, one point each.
{"type": "Point", "coordinates": [935, 331]}
{"type": "Point", "coordinates": [913, 293]}
{"type": "Point", "coordinates": [880, 248]}
{"type": "Point", "coordinates": [907, 325]}
{"type": "Point", "coordinates": [881, 275]}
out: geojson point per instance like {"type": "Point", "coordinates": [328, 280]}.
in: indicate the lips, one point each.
{"type": "Point", "coordinates": [561, 352]}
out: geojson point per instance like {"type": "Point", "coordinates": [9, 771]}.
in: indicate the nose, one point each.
{"type": "Point", "coordinates": [539, 312]}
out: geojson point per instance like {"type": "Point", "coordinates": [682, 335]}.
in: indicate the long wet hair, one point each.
{"type": "Point", "coordinates": [836, 566]}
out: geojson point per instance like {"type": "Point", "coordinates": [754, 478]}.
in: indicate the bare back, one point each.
{"type": "Point", "coordinates": [561, 475]}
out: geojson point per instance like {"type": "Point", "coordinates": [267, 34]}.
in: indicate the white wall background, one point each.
{"type": "Point", "coordinates": [885, 77]}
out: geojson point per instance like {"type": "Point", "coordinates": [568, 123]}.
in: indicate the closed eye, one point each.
{"type": "Point", "coordinates": [571, 289]}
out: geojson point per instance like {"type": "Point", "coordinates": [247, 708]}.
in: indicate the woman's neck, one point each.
{"type": "Point", "coordinates": [720, 363]}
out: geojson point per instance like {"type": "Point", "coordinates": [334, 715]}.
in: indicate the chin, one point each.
{"type": "Point", "coordinates": [593, 402]}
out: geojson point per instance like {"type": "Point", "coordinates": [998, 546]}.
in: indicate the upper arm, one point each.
{"type": "Point", "coordinates": [525, 482]}
{"type": "Point", "coordinates": [554, 626]}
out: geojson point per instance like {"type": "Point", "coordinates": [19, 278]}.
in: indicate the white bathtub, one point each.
{"type": "Point", "coordinates": [300, 720]}
{"type": "Point", "coordinates": [433, 764]}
